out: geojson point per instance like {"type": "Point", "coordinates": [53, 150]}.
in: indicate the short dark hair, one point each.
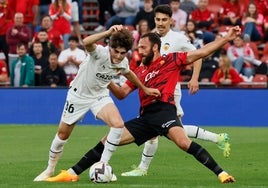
{"type": "Point", "coordinates": [42, 30]}
{"type": "Point", "coordinates": [74, 38]}
{"type": "Point", "coordinates": [20, 45]}
{"type": "Point", "coordinates": [123, 38]}
{"type": "Point", "coordinates": [154, 38]}
{"type": "Point", "coordinates": [164, 9]}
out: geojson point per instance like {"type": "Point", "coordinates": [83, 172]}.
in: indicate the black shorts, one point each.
{"type": "Point", "coordinates": [156, 119]}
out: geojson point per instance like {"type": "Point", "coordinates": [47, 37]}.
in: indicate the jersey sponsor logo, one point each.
{"type": "Point", "coordinates": [105, 77]}
{"type": "Point", "coordinates": [167, 124]}
{"type": "Point", "coordinates": [151, 75]}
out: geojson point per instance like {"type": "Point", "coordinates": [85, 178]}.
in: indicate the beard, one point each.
{"type": "Point", "coordinates": [148, 59]}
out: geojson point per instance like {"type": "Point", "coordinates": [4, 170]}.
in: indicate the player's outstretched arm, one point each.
{"type": "Point", "coordinates": [120, 92]}
{"type": "Point", "coordinates": [212, 46]}
{"type": "Point", "coordinates": [193, 84]}
{"type": "Point", "coordinates": [90, 41]}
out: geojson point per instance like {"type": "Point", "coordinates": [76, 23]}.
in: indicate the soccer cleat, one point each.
{"type": "Point", "coordinates": [223, 144]}
{"type": "Point", "coordinates": [63, 176]}
{"type": "Point", "coordinates": [226, 178]}
{"type": "Point", "coordinates": [135, 172]}
{"type": "Point", "coordinates": [114, 178]}
{"type": "Point", "coordinates": [43, 176]}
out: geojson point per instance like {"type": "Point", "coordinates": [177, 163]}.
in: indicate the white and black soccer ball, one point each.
{"type": "Point", "coordinates": [100, 173]}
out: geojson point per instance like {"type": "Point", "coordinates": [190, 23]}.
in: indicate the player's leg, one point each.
{"type": "Point", "coordinates": [222, 139]}
{"type": "Point", "coordinates": [111, 116]}
{"type": "Point", "coordinates": [193, 131]}
{"type": "Point", "coordinates": [91, 157]}
{"type": "Point", "coordinates": [178, 136]}
{"type": "Point", "coordinates": [56, 149]}
{"type": "Point", "coordinates": [150, 148]}
{"type": "Point", "coordinates": [74, 109]}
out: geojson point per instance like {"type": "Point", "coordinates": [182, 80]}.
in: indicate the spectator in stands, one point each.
{"type": "Point", "coordinates": [125, 13]}
{"type": "Point", "coordinates": [4, 79]}
{"type": "Point", "coordinates": [146, 13]}
{"type": "Point", "coordinates": [43, 9]}
{"type": "Point", "coordinates": [141, 29]}
{"type": "Point", "coordinates": [71, 58]}
{"type": "Point", "coordinates": [81, 12]}
{"type": "Point", "coordinates": [5, 23]}
{"type": "Point", "coordinates": [22, 69]}
{"type": "Point", "coordinates": [226, 74]}
{"type": "Point", "coordinates": [202, 16]}
{"type": "Point", "coordinates": [53, 75]}
{"type": "Point", "coordinates": [211, 62]}
{"type": "Point", "coordinates": [230, 13]}
{"type": "Point", "coordinates": [105, 6]}
{"type": "Point", "coordinates": [188, 6]}
{"type": "Point", "coordinates": [242, 57]}
{"type": "Point", "coordinates": [48, 47]}
{"type": "Point", "coordinates": [265, 37]}
{"type": "Point", "coordinates": [54, 35]}
{"type": "Point", "coordinates": [179, 16]}
{"type": "Point", "coordinates": [16, 34]}
{"type": "Point", "coordinates": [29, 9]}
{"type": "Point", "coordinates": [253, 24]}
{"type": "Point", "coordinates": [204, 20]}
{"type": "Point", "coordinates": [209, 65]}
{"type": "Point", "coordinates": [195, 35]}
{"type": "Point", "coordinates": [40, 61]}
{"type": "Point", "coordinates": [262, 6]}
{"type": "Point", "coordinates": [60, 12]}
{"type": "Point", "coordinates": [75, 20]}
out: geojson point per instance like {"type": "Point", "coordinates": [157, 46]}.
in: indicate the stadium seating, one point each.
{"type": "Point", "coordinates": [264, 57]}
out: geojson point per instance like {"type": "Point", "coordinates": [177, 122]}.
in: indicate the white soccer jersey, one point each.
{"type": "Point", "coordinates": [175, 41]}
{"type": "Point", "coordinates": [96, 72]}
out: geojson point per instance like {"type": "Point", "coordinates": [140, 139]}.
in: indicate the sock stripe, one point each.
{"type": "Point", "coordinates": [112, 143]}
{"type": "Point", "coordinates": [55, 151]}
{"type": "Point", "coordinates": [147, 155]}
{"type": "Point", "coordinates": [197, 132]}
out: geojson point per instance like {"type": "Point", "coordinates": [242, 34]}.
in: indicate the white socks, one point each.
{"type": "Point", "coordinates": [55, 152]}
{"type": "Point", "coordinates": [113, 140]}
{"type": "Point", "coordinates": [149, 150]}
{"type": "Point", "coordinates": [197, 132]}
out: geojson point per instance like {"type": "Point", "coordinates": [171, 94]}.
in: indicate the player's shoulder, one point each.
{"type": "Point", "coordinates": [176, 34]}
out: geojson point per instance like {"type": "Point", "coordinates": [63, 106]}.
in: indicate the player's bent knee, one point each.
{"type": "Point", "coordinates": [117, 123]}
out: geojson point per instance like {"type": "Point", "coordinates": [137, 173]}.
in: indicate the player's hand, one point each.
{"type": "Point", "coordinates": [115, 28]}
{"type": "Point", "coordinates": [233, 32]}
{"type": "Point", "coordinates": [193, 86]}
{"type": "Point", "coordinates": [152, 92]}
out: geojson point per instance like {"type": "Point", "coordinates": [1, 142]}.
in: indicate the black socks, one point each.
{"type": "Point", "coordinates": [91, 157]}
{"type": "Point", "coordinates": [204, 157]}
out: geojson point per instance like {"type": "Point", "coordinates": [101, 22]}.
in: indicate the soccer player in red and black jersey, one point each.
{"type": "Point", "coordinates": [158, 114]}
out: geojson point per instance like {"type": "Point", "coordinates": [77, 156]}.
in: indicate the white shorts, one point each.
{"type": "Point", "coordinates": [75, 12]}
{"type": "Point", "coordinates": [177, 98]}
{"type": "Point", "coordinates": [76, 106]}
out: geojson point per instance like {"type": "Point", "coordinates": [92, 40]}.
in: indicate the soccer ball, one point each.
{"type": "Point", "coordinates": [100, 173]}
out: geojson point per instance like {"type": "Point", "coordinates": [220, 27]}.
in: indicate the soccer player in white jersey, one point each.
{"type": "Point", "coordinates": [172, 41]}
{"type": "Point", "coordinates": [88, 91]}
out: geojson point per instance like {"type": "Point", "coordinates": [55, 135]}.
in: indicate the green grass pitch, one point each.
{"type": "Point", "coordinates": [24, 153]}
